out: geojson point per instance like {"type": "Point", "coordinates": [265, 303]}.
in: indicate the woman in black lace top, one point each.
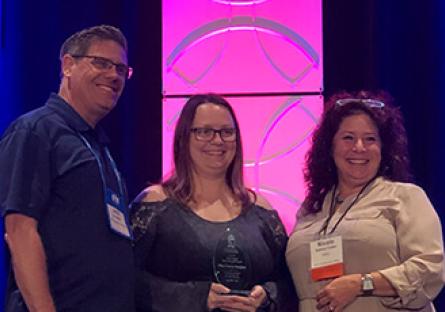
{"type": "Point", "coordinates": [203, 241]}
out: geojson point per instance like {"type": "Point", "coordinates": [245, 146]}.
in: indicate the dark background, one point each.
{"type": "Point", "coordinates": [395, 45]}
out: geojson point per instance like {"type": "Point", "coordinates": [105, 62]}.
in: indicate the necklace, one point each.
{"type": "Point", "coordinates": [324, 228]}
{"type": "Point", "coordinates": [339, 200]}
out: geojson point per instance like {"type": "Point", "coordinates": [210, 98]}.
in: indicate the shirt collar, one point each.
{"type": "Point", "coordinates": [73, 119]}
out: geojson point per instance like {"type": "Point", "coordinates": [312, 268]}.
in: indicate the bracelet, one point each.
{"type": "Point", "coordinates": [266, 302]}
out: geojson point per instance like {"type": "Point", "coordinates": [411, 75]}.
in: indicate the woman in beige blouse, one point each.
{"type": "Point", "coordinates": [385, 240]}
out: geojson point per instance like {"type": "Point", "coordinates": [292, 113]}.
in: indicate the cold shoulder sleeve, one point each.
{"type": "Point", "coordinates": [153, 292]}
{"type": "Point", "coordinates": [280, 288]}
{"type": "Point", "coordinates": [143, 223]}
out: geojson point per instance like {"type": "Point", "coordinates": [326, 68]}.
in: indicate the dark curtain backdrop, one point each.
{"type": "Point", "coordinates": [396, 45]}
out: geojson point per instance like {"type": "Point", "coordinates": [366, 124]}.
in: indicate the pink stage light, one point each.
{"type": "Point", "coordinates": [251, 46]}
{"type": "Point", "coordinates": [240, 2]}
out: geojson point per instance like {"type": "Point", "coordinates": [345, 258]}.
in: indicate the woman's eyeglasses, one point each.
{"type": "Point", "coordinates": [208, 134]}
{"type": "Point", "coordinates": [371, 103]}
{"type": "Point", "coordinates": [104, 64]}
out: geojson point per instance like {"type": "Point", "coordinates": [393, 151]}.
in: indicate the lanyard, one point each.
{"type": "Point", "coordinates": [324, 228]}
{"type": "Point", "coordinates": [101, 167]}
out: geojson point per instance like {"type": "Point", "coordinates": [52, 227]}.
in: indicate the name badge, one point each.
{"type": "Point", "coordinates": [326, 258]}
{"type": "Point", "coordinates": [117, 214]}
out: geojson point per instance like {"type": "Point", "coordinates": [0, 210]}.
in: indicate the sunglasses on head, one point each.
{"type": "Point", "coordinates": [372, 103]}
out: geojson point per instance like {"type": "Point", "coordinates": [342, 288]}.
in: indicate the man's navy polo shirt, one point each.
{"type": "Point", "coordinates": [48, 173]}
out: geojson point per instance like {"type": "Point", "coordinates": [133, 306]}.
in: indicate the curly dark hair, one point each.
{"type": "Point", "coordinates": [179, 184]}
{"type": "Point", "coordinates": [320, 172]}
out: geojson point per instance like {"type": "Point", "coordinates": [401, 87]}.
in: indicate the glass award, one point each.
{"type": "Point", "coordinates": [231, 263]}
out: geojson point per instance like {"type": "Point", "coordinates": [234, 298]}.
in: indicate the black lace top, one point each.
{"type": "Point", "coordinates": [174, 250]}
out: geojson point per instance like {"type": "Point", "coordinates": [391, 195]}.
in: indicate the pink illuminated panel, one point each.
{"type": "Point", "coordinates": [250, 46]}
{"type": "Point", "coordinates": [241, 46]}
{"type": "Point", "coordinates": [275, 133]}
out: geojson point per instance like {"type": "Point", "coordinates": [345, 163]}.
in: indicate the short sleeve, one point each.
{"type": "Point", "coordinates": [25, 173]}
{"type": "Point", "coordinates": [143, 219]}
{"type": "Point", "coordinates": [280, 288]}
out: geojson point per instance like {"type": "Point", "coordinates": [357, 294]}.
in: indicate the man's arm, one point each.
{"type": "Point", "coordinates": [29, 262]}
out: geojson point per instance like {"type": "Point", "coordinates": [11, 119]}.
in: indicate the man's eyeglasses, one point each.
{"type": "Point", "coordinates": [372, 103]}
{"type": "Point", "coordinates": [208, 134]}
{"type": "Point", "coordinates": [102, 63]}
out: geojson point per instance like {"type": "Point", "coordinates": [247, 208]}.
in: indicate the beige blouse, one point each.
{"type": "Point", "coordinates": [392, 229]}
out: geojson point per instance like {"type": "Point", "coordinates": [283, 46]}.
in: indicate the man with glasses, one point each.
{"type": "Point", "coordinates": [61, 194]}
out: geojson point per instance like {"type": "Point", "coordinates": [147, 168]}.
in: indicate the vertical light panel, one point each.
{"type": "Point", "coordinates": [262, 47]}
{"type": "Point", "coordinates": [276, 133]}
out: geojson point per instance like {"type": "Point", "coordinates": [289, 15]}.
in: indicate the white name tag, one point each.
{"type": "Point", "coordinates": [117, 221]}
{"type": "Point", "coordinates": [326, 258]}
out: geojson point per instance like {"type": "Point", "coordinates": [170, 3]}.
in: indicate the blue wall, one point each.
{"type": "Point", "coordinates": [8, 108]}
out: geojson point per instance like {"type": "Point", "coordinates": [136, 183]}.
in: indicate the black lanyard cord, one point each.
{"type": "Point", "coordinates": [324, 228]}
